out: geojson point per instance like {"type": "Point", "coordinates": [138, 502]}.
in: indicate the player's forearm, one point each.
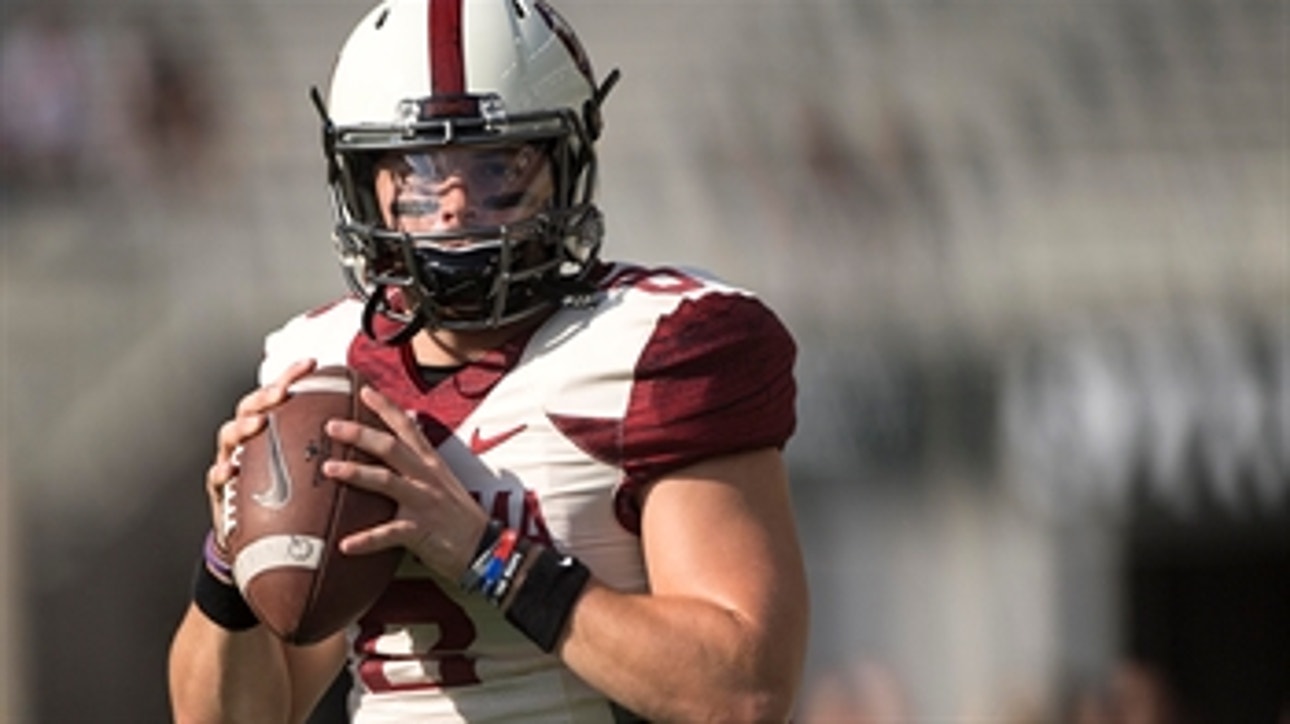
{"type": "Point", "coordinates": [221, 676]}
{"type": "Point", "coordinates": [680, 659]}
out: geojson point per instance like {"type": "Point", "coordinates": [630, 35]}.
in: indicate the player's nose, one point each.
{"type": "Point", "coordinates": [456, 209]}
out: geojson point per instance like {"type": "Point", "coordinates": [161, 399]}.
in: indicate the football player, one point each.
{"type": "Point", "coordinates": [586, 455]}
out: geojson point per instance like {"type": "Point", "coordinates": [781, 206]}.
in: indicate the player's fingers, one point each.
{"type": "Point", "coordinates": [387, 535]}
{"type": "Point", "coordinates": [235, 432]}
{"type": "Point", "coordinates": [377, 443]}
{"type": "Point", "coordinates": [394, 451]}
{"type": "Point", "coordinates": [275, 392]}
{"type": "Point", "coordinates": [216, 479]}
{"type": "Point", "coordinates": [260, 399]}
{"type": "Point", "coordinates": [399, 423]}
{"type": "Point", "coordinates": [218, 475]}
{"type": "Point", "coordinates": [376, 478]}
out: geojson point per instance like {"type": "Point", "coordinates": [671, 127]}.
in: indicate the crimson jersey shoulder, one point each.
{"type": "Point", "coordinates": [324, 334]}
{"type": "Point", "coordinates": [716, 377]}
{"type": "Point", "coordinates": [712, 375]}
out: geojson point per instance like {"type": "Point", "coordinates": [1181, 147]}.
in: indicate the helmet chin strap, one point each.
{"type": "Point", "coordinates": [376, 307]}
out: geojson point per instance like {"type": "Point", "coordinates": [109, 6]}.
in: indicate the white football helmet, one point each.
{"type": "Point", "coordinates": [418, 80]}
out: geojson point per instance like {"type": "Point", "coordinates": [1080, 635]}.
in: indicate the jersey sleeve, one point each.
{"type": "Point", "coordinates": [715, 378]}
{"type": "Point", "coordinates": [323, 334]}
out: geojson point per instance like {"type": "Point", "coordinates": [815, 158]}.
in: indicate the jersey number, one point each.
{"type": "Point", "coordinates": [428, 613]}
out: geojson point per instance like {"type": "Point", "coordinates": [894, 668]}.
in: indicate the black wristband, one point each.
{"type": "Point", "coordinates": [221, 603]}
{"type": "Point", "coordinates": [542, 604]}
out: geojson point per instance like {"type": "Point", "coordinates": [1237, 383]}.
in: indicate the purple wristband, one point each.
{"type": "Point", "coordinates": [215, 561]}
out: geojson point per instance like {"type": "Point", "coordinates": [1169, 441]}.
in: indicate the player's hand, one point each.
{"type": "Point", "coordinates": [248, 419]}
{"type": "Point", "coordinates": [437, 519]}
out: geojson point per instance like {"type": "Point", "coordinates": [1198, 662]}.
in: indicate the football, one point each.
{"type": "Point", "coordinates": [285, 519]}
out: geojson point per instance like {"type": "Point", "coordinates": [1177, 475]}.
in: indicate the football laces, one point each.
{"type": "Point", "coordinates": [228, 516]}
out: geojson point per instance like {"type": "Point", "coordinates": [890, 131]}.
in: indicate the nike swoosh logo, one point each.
{"type": "Point", "coordinates": [279, 490]}
{"type": "Point", "coordinates": [480, 444]}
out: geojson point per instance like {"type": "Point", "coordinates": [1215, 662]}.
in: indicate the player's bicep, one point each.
{"type": "Point", "coordinates": [312, 669]}
{"type": "Point", "coordinates": [722, 530]}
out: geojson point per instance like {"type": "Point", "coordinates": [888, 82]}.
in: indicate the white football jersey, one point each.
{"type": "Point", "coordinates": [554, 434]}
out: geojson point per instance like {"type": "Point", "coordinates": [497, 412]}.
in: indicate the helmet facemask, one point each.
{"type": "Point", "coordinates": [529, 247]}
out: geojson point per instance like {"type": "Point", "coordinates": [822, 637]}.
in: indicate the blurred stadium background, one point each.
{"type": "Point", "coordinates": [1036, 254]}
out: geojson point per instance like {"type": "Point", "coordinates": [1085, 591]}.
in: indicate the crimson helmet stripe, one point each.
{"type": "Point", "coordinates": [447, 62]}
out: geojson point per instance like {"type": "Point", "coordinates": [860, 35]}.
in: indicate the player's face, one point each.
{"type": "Point", "coordinates": [448, 189]}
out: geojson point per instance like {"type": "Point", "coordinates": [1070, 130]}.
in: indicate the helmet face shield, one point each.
{"type": "Point", "coordinates": [446, 189]}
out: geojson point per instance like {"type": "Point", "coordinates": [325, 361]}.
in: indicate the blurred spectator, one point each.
{"type": "Point", "coordinates": [903, 152]}
{"type": "Point", "coordinates": [843, 179]}
{"type": "Point", "coordinates": [43, 106]}
{"type": "Point", "coordinates": [117, 102]}
{"type": "Point", "coordinates": [170, 110]}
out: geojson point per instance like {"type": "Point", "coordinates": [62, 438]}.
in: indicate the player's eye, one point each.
{"type": "Point", "coordinates": [491, 170]}
{"type": "Point", "coordinates": [502, 202]}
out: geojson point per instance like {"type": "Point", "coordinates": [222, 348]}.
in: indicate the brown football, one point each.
{"type": "Point", "coordinates": [287, 518]}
